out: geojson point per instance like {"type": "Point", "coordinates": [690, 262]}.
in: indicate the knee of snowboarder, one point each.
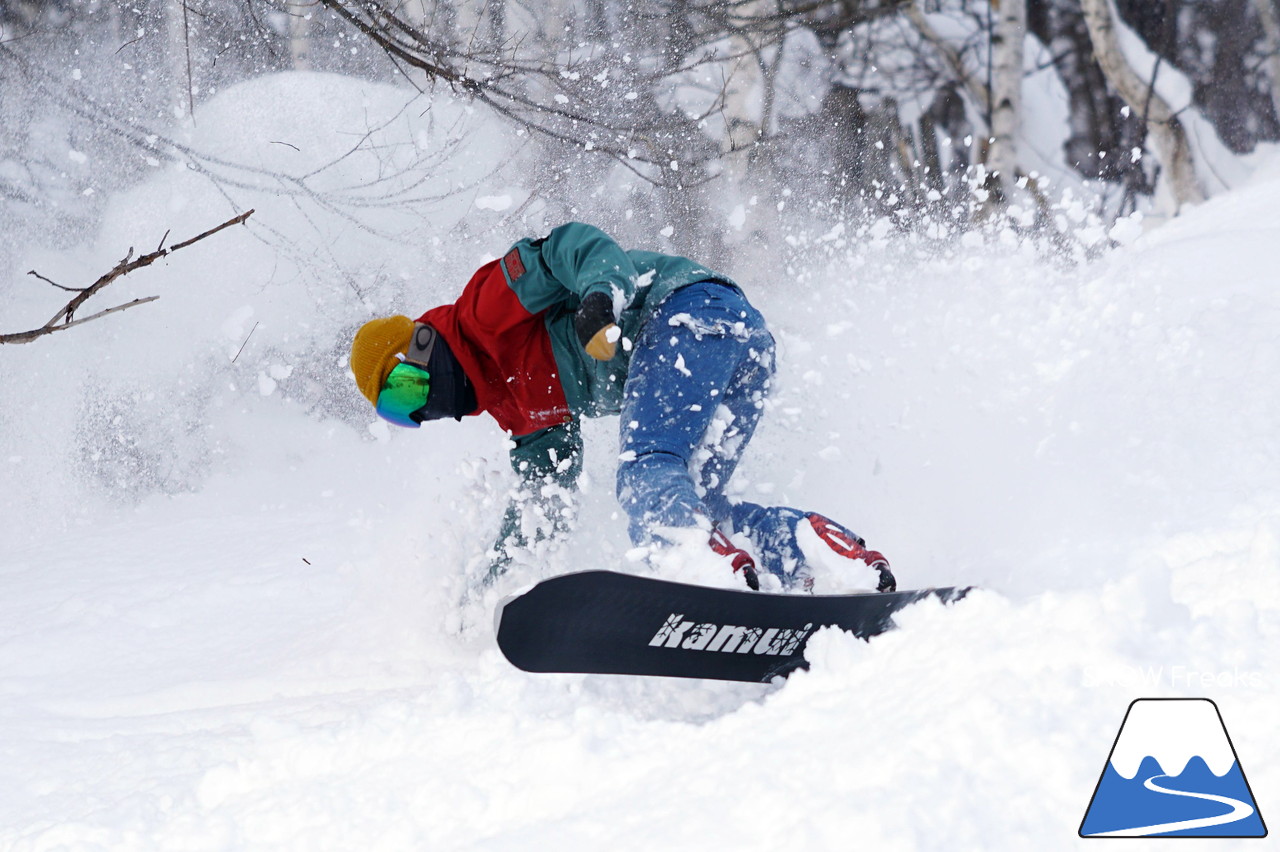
{"type": "Point", "coordinates": [656, 490]}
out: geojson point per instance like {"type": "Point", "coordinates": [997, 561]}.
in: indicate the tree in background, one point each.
{"type": "Point", "coordinates": [678, 106]}
{"type": "Point", "coordinates": [1165, 129]}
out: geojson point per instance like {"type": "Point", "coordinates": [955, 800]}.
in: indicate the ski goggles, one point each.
{"type": "Point", "coordinates": [404, 395]}
{"type": "Point", "coordinates": [403, 398]}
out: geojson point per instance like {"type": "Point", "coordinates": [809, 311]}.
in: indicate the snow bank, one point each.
{"type": "Point", "coordinates": [246, 622]}
{"type": "Point", "coordinates": [359, 189]}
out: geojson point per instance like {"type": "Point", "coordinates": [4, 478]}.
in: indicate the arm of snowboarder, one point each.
{"type": "Point", "coordinates": [586, 262]}
{"type": "Point", "coordinates": [548, 463]}
{"type": "Point", "coordinates": [577, 267]}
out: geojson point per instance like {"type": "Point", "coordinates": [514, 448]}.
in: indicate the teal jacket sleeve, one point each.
{"type": "Point", "coordinates": [552, 454]}
{"type": "Point", "coordinates": [548, 463]}
{"type": "Point", "coordinates": [571, 262]}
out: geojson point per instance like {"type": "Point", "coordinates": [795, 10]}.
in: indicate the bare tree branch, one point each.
{"type": "Point", "coordinates": [561, 100]}
{"type": "Point", "coordinates": [65, 317]}
{"type": "Point", "coordinates": [55, 283]}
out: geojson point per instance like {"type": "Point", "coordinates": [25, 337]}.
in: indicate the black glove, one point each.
{"type": "Point", "coordinates": [596, 327]}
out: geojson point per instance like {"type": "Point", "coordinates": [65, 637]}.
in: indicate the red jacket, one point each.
{"type": "Point", "coordinates": [505, 352]}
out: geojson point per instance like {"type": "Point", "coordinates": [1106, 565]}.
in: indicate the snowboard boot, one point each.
{"type": "Point", "coordinates": [844, 543]}
{"type": "Point", "coordinates": [739, 558]}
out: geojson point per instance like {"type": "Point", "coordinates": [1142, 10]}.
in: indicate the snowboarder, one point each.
{"type": "Point", "coordinates": [571, 325]}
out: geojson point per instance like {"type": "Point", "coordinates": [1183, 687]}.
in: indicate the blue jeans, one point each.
{"type": "Point", "coordinates": [693, 397]}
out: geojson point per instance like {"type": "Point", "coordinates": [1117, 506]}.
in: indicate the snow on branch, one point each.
{"type": "Point", "coordinates": [65, 317]}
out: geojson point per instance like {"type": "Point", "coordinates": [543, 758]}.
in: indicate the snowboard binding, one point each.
{"type": "Point", "coordinates": [738, 558]}
{"type": "Point", "coordinates": [844, 543]}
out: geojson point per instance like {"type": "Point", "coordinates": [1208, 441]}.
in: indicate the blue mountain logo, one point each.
{"type": "Point", "coordinates": [1173, 772]}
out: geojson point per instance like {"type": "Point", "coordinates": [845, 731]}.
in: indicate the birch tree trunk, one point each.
{"type": "Point", "coordinates": [1006, 91]}
{"type": "Point", "coordinates": [178, 36]}
{"type": "Point", "coordinates": [1090, 107]}
{"type": "Point", "coordinates": [976, 89]}
{"type": "Point", "coordinates": [1271, 45]}
{"type": "Point", "coordinates": [1163, 127]}
{"type": "Point", "coordinates": [743, 87]}
{"type": "Point", "coordinates": [300, 36]}
{"type": "Point", "coordinates": [497, 23]}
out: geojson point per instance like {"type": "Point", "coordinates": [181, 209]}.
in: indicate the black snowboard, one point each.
{"type": "Point", "coordinates": [609, 623]}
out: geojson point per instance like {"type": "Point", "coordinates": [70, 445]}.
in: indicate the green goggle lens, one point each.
{"type": "Point", "coordinates": [404, 394]}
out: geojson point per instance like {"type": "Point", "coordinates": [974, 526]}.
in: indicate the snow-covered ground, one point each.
{"type": "Point", "coordinates": [237, 616]}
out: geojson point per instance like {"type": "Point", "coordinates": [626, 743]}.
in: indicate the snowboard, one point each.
{"type": "Point", "coordinates": [604, 622]}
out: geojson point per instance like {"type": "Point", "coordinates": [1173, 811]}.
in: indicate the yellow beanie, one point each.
{"type": "Point", "coordinates": [374, 349]}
